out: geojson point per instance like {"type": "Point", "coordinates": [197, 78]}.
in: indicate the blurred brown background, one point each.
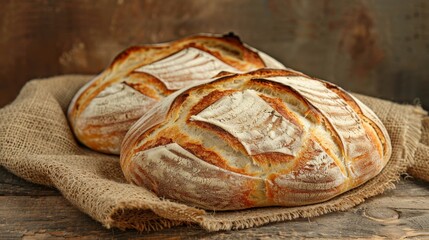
{"type": "Point", "coordinates": [379, 47]}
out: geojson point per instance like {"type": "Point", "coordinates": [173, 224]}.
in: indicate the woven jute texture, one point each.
{"type": "Point", "coordinates": [420, 167]}
{"type": "Point", "coordinates": [36, 144]}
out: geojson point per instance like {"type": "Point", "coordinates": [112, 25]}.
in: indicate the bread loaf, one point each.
{"type": "Point", "coordinates": [103, 110]}
{"type": "Point", "coordinates": [263, 138]}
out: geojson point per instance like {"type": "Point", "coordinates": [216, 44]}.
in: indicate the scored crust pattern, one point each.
{"type": "Point", "coordinates": [104, 109]}
{"type": "Point", "coordinates": [255, 124]}
{"type": "Point", "coordinates": [187, 67]}
{"type": "Point", "coordinates": [265, 138]}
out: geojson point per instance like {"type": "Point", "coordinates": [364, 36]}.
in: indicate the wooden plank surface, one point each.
{"type": "Point", "coordinates": [32, 211]}
{"type": "Point", "coordinates": [380, 48]}
{"type": "Point", "coordinates": [10, 185]}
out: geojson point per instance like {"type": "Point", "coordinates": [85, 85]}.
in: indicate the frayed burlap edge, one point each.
{"type": "Point", "coordinates": [136, 218]}
{"type": "Point", "coordinates": [122, 216]}
{"type": "Point", "coordinates": [420, 168]}
{"type": "Point", "coordinates": [133, 215]}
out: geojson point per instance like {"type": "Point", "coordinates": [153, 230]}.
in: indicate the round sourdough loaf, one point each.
{"type": "Point", "coordinates": [103, 110]}
{"type": "Point", "coordinates": [263, 138]}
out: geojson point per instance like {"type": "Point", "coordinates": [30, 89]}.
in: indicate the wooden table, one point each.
{"type": "Point", "coordinates": [31, 211]}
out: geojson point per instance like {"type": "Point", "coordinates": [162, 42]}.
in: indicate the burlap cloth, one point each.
{"type": "Point", "coordinates": [36, 144]}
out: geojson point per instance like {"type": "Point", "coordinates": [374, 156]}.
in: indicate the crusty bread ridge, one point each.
{"type": "Point", "coordinates": [263, 138]}
{"type": "Point", "coordinates": [104, 109]}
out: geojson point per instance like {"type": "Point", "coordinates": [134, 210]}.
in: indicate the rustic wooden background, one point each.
{"type": "Point", "coordinates": [380, 48]}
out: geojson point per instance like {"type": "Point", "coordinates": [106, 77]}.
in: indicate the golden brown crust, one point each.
{"type": "Point", "coordinates": [154, 143]}
{"type": "Point", "coordinates": [230, 139]}
{"type": "Point", "coordinates": [278, 106]}
{"type": "Point", "coordinates": [272, 158]}
{"type": "Point", "coordinates": [378, 135]}
{"type": "Point", "coordinates": [255, 128]}
{"type": "Point", "coordinates": [211, 157]}
{"type": "Point", "coordinates": [311, 113]}
{"type": "Point", "coordinates": [208, 100]}
{"type": "Point", "coordinates": [147, 85]}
